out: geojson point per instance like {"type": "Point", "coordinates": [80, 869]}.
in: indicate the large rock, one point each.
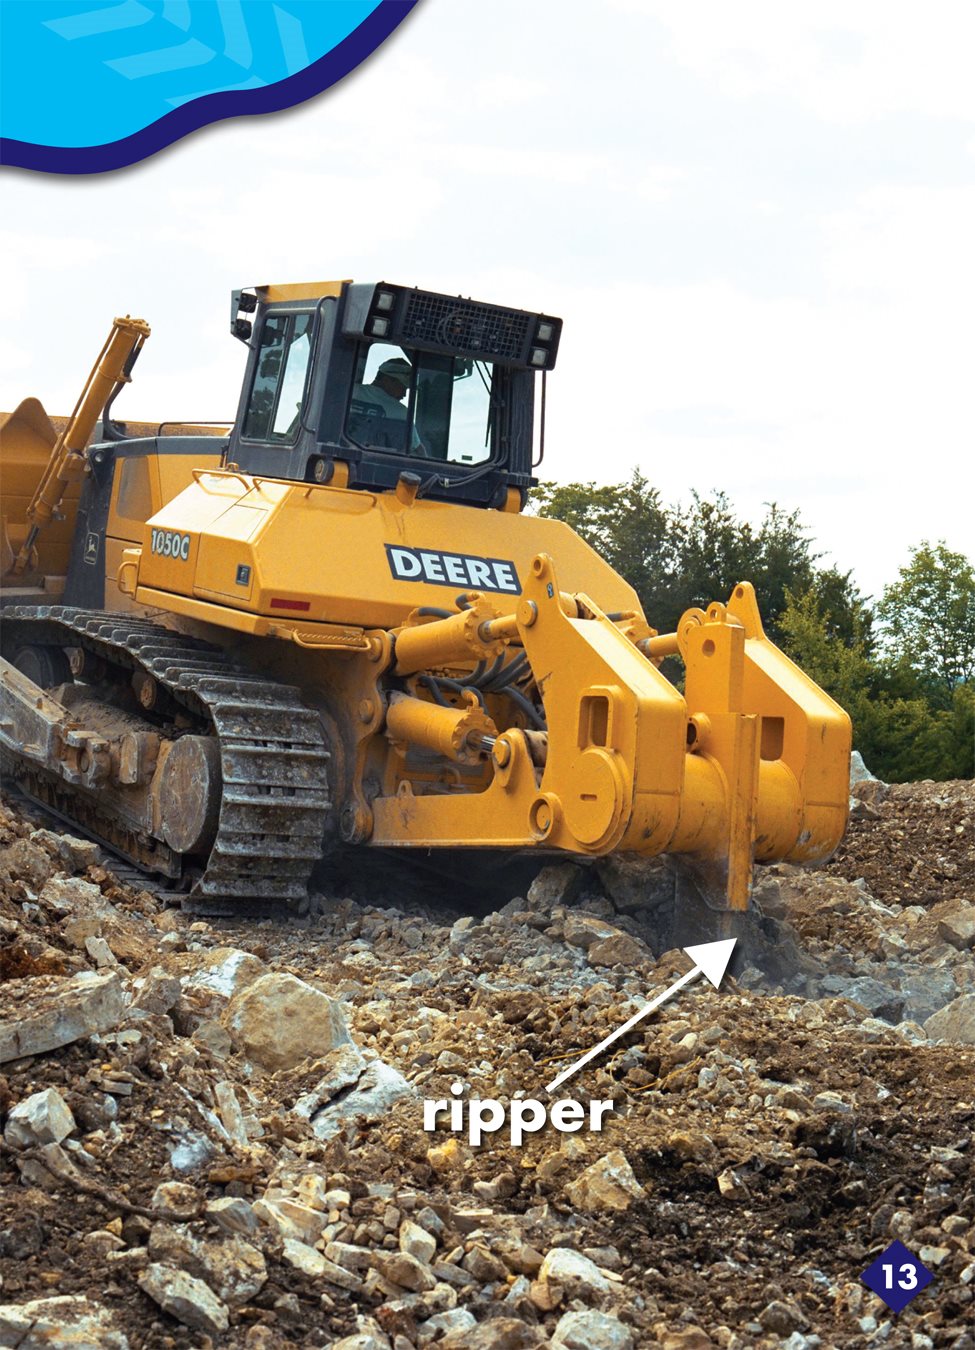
{"type": "Point", "coordinates": [457, 1319]}
{"type": "Point", "coordinates": [232, 1268]}
{"type": "Point", "coordinates": [879, 999]}
{"type": "Point", "coordinates": [291, 1219]}
{"type": "Point", "coordinates": [461, 933]}
{"type": "Point", "coordinates": [66, 1322]}
{"type": "Point", "coordinates": [496, 1333]}
{"type": "Point", "coordinates": [417, 1242]}
{"type": "Point", "coordinates": [591, 1330]}
{"type": "Point", "coordinates": [304, 1258]}
{"type": "Point", "coordinates": [221, 971]}
{"type": "Point", "coordinates": [379, 1088]}
{"type": "Point", "coordinates": [557, 884]}
{"type": "Point", "coordinates": [609, 1184]}
{"type": "Point", "coordinates": [634, 883]}
{"type": "Point", "coordinates": [157, 992]}
{"type": "Point", "coordinates": [44, 1118]}
{"type": "Point", "coordinates": [362, 1340]}
{"type": "Point", "coordinates": [405, 1270]}
{"type": "Point", "coordinates": [958, 927]}
{"type": "Point", "coordinates": [49, 1168]}
{"type": "Point", "coordinates": [870, 794]}
{"type": "Point", "coordinates": [208, 980]}
{"type": "Point", "coordinates": [24, 860]}
{"type": "Point", "coordinates": [179, 1199]}
{"type": "Point", "coordinates": [782, 1317]}
{"type": "Point", "coordinates": [85, 916]}
{"type": "Point", "coordinates": [859, 773]}
{"type": "Point", "coordinates": [620, 949]}
{"type": "Point", "coordinates": [76, 854]}
{"type": "Point", "coordinates": [954, 1023]}
{"type": "Point", "coordinates": [688, 1338]}
{"type": "Point", "coordinates": [572, 1272]}
{"type": "Point", "coordinates": [190, 1151]}
{"type": "Point", "coordinates": [582, 930]}
{"type": "Point", "coordinates": [190, 1301]}
{"type": "Point", "coordinates": [926, 992]}
{"type": "Point", "coordinates": [279, 1022]}
{"type": "Point", "coordinates": [230, 1113]}
{"type": "Point", "coordinates": [233, 1214]}
{"type": "Point", "coordinates": [47, 1011]}
{"type": "Point", "coordinates": [340, 1069]}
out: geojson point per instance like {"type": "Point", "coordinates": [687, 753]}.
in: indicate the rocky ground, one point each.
{"type": "Point", "coordinates": [213, 1132]}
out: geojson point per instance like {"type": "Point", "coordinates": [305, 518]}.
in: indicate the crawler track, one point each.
{"type": "Point", "coordinates": [41, 816]}
{"type": "Point", "coordinates": [273, 757]}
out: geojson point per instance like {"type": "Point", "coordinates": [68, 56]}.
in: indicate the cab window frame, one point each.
{"type": "Point", "coordinates": [291, 315]}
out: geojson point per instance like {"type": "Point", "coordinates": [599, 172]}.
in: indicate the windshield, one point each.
{"type": "Point", "coordinates": [421, 404]}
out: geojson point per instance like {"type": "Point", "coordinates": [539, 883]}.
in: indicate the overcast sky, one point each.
{"type": "Point", "coordinates": [757, 221]}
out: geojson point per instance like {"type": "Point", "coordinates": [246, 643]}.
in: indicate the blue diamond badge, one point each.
{"type": "Point", "coordinates": [896, 1276]}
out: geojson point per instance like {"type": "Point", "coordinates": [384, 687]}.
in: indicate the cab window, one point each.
{"type": "Point", "coordinates": [134, 500]}
{"type": "Point", "coordinates": [274, 408]}
{"type": "Point", "coordinates": [421, 404]}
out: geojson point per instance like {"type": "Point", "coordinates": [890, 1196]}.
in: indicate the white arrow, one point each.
{"type": "Point", "coordinates": [710, 960]}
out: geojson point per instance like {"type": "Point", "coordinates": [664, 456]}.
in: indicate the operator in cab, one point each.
{"type": "Point", "coordinates": [385, 394]}
{"type": "Point", "coordinates": [388, 389]}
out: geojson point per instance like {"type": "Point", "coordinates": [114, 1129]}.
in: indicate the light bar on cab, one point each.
{"type": "Point", "coordinates": [452, 324]}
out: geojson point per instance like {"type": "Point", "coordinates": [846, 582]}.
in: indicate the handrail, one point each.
{"type": "Point", "coordinates": [200, 474]}
{"type": "Point", "coordinates": [354, 642]}
{"type": "Point", "coordinates": [194, 422]}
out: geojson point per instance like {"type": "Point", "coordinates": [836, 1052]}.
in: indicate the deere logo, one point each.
{"type": "Point", "coordinates": [453, 569]}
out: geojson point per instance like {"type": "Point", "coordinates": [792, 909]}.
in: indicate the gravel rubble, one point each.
{"type": "Point", "coordinates": [213, 1131]}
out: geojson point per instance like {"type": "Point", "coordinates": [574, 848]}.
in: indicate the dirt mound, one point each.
{"type": "Point", "coordinates": [920, 848]}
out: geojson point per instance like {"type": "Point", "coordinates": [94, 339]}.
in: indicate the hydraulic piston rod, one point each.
{"type": "Point", "coordinates": [67, 462]}
{"type": "Point", "coordinates": [462, 734]}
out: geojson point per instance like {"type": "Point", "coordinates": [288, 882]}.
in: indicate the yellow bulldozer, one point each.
{"type": "Point", "coordinates": [336, 625]}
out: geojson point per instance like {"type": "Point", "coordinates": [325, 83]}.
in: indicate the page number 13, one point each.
{"type": "Point", "coordinates": [906, 1276]}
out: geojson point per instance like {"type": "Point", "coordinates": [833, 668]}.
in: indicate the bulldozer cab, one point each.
{"type": "Point", "coordinates": [358, 384]}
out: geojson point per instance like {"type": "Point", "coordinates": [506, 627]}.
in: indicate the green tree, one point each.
{"type": "Point", "coordinates": [928, 618]}
{"type": "Point", "coordinates": [900, 734]}
{"type": "Point", "coordinates": [628, 525]}
{"type": "Point", "coordinates": [717, 550]}
{"type": "Point", "coordinates": [676, 559]}
{"type": "Point", "coordinates": [842, 668]}
{"type": "Point", "coordinates": [963, 731]}
{"type": "Point", "coordinates": [846, 612]}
